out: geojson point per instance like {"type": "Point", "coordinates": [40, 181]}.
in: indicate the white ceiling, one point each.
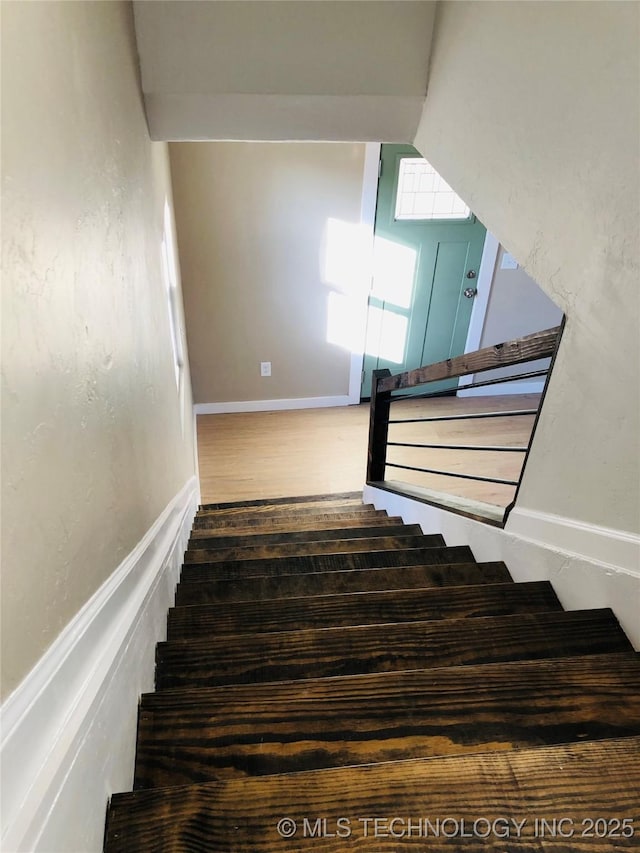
{"type": "Point", "coordinates": [284, 69]}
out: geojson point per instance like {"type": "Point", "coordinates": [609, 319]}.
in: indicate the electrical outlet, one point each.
{"type": "Point", "coordinates": [265, 368]}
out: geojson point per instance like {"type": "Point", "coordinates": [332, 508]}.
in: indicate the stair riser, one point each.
{"type": "Point", "coordinates": [235, 569]}
{"type": "Point", "coordinates": [375, 608]}
{"type": "Point", "coordinates": [346, 499]}
{"type": "Point", "coordinates": [301, 549]}
{"type": "Point", "coordinates": [285, 515]}
{"type": "Point", "coordinates": [302, 537]}
{"type": "Point", "coordinates": [577, 782]}
{"type": "Point", "coordinates": [418, 645]}
{"type": "Point", "coordinates": [353, 721]}
{"type": "Point", "coordinates": [284, 525]}
{"type": "Point", "coordinates": [190, 591]}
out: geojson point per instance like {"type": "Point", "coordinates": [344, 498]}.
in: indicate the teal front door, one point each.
{"type": "Point", "coordinates": [427, 252]}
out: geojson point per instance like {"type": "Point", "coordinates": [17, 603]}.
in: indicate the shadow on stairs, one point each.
{"type": "Point", "coordinates": [334, 680]}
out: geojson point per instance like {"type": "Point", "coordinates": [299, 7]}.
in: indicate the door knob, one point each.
{"type": "Point", "coordinates": [471, 274]}
{"type": "Point", "coordinates": [470, 292]}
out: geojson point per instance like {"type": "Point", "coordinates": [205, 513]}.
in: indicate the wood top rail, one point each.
{"type": "Point", "coordinates": [528, 348]}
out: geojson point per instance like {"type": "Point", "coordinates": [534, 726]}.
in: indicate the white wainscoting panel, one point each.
{"type": "Point", "coordinates": [68, 731]}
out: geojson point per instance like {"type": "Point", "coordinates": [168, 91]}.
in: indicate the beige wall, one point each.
{"type": "Point", "coordinates": [92, 448]}
{"type": "Point", "coordinates": [252, 229]}
{"type": "Point", "coordinates": [532, 116]}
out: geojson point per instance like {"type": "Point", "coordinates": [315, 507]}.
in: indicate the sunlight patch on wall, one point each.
{"type": "Point", "coordinates": [347, 256]}
{"type": "Point", "coordinates": [344, 322]}
{"type": "Point", "coordinates": [346, 267]}
{"type": "Point", "coordinates": [394, 269]}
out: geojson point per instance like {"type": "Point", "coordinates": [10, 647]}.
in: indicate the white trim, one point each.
{"type": "Point", "coordinates": [522, 387]}
{"type": "Point", "coordinates": [367, 221]}
{"type": "Point", "coordinates": [196, 455]}
{"type": "Point", "coordinates": [270, 405]}
{"type": "Point", "coordinates": [48, 718]}
{"type": "Point", "coordinates": [616, 548]}
{"type": "Point", "coordinates": [589, 566]}
{"type": "Point", "coordinates": [481, 302]}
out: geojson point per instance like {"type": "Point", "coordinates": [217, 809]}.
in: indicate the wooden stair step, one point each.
{"type": "Point", "coordinates": [234, 518]}
{"type": "Point", "coordinates": [300, 584]}
{"type": "Point", "coordinates": [286, 537]}
{"type": "Point", "coordinates": [578, 783]}
{"type": "Point", "coordinates": [283, 524]}
{"type": "Point", "coordinates": [204, 735]}
{"type": "Point", "coordinates": [299, 510]}
{"type": "Point", "coordinates": [325, 563]}
{"type": "Point", "coordinates": [323, 652]}
{"type": "Point", "coordinates": [265, 616]}
{"type": "Point", "coordinates": [381, 542]}
{"type": "Point", "coordinates": [325, 497]}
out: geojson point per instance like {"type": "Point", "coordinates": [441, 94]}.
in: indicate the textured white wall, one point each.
{"type": "Point", "coordinates": [96, 440]}
{"type": "Point", "coordinates": [532, 114]}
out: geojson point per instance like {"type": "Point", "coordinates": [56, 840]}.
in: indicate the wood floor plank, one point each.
{"type": "Point", "coordinates": [319, 449]}
{"type": "Point", "coordinates": [212, 591]}
{"type": "Point", "coordinates": [575, 784]}
{"type": "Point", "coordinates": [324, 611]}
{"type": "Point", "coordinates": [325, 563]}
{"type": "Point", "coordinates": [239, 659]}
{"type": "Point", "coordinates": [204, 735]}
{"type": "Point", "coordinates": [289, 537]}
{"type": "Point", "coordinates": [381, 542]}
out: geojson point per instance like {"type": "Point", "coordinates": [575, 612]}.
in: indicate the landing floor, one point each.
{"type": "Point", "coordinates": [312, 451]}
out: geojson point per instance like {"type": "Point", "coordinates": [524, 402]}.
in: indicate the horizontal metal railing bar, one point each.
{"type": "Point", "coordinates": [497, 381]}
{"type": "Point", "coordinates": [500, 448]}
{"type": "Point", "coordinates": [468, 416]}
{"type": "Point", "coordinates": [452, 474]}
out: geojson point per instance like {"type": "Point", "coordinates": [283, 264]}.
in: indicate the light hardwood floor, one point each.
{"type": "Point", "coordinates": [312, 451]}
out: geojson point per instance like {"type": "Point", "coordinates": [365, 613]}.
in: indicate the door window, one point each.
{"type": "Point", "coordinates": [423, 194]}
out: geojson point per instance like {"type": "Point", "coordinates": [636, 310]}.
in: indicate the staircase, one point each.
{"type": "Point", "coordinates": [335, 680]}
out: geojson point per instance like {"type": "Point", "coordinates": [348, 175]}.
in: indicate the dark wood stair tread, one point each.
{"type": "Point", "coordinates": [401, 556]}
{"type": "Point", "coordinates": [244, 554]}
{"type": "Point", "coordinates": [203, 735]}
{"type": "Point", "coordinates": [273, 507]}
{"type": "Point", "coordinates": [580, 782]}
{"type": "Point", "coordinates": [258, 588]}
{"type": "Point", "coordinates": [330, 497]}
{"type": "Point", "coordinates": [264, 616]}
{"type": "Point", "coordinates": [287, 516]}
{"type": "Point", "coordinates": [303, 537]}
{"type": "Point", "coordinates": [238, 659]}
{"type": "Point", "coordinates": [289, 525]}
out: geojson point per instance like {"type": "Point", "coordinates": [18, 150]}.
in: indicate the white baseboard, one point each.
{"type": "Point", "coordinates": [504, 388]}
{"type": "Point", "coordinates": [615, 548]}
{"type": "Point", "coordinates": [68, 731]}
{"type": "Point", "coordinates": [588, 566]}
{"type": "Point", "coordinates": [271, 405]}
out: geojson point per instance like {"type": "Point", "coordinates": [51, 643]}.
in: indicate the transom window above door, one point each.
{"type": "Point", "coordinates": [423, 194]}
